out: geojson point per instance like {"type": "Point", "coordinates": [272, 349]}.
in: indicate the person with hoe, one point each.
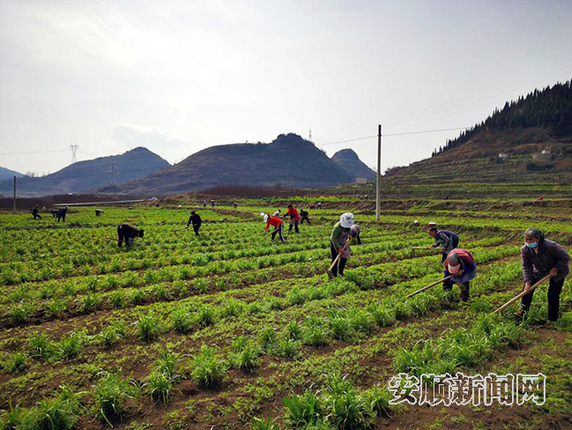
{"type": "Point", "coordinates": [61, 214]}
{"type": "Point", "coordinates": [195, 219]}
{"type": "Point", "coordinates": [340, 244]}
{"type": "Point", "coordinates": [543, 258]}
{"type": "Point", "coordinates": [294, 218]}
{"type": "Point", "coordinates": [127, 233]}
{"type": "Point", "coordinates": [35, 212]}
{"type": "Point", "coordinates": [276, 223]}
{"type": "Point", "coordinates": [444, 239]}
{"type": "Point", "coordinates": [460, 267]}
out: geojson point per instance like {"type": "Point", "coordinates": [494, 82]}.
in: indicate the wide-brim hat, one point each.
{"type": "Point", "coordinates": [347, 220]}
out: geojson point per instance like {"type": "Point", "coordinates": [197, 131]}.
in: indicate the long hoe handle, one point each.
{"type": "Point", "coordinates": [514, 299]}
{"type": "Point", "coordinates": [330, 275]}
{"type": "Point", "coordinates": [429, 286]}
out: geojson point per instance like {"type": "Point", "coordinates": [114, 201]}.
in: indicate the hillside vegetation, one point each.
{"type": "Point", "coordinates": [529, 141]}
{"type": "Point", "coordinates": [289, 160]}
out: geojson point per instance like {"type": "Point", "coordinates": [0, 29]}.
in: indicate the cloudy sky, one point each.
{"type": "Point", "coordinates": [180, 76]}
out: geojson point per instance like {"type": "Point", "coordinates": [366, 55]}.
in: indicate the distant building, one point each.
{"type": "Point", "coordinates": [544, 155]}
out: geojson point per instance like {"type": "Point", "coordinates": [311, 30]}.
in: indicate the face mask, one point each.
{"type": "Point", "coordinates": [531, 245]}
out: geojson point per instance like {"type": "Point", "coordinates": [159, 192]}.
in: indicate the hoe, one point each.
{"type": "Point", "coordinates": [428, 286]}
{"type": "Point", "coordinates": [329, 271]}
{"type": "Point", "coordinates": [511, 301]}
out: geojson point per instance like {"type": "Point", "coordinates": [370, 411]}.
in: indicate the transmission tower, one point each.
{"type": "Point", "coordinates": [74, 149]}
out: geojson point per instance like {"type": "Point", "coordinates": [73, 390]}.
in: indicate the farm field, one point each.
{"type": "Point", "coordinates": [231, 330]}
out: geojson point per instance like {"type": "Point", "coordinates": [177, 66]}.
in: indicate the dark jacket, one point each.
{"type": "Point", "coordinates": [128, 231]}
{"type": "Point", "coordinates": [195, 220]}
{"type": "Point", "coordinates": [538, 265]}
{"type": "Point", "coordinates": [446, 239]}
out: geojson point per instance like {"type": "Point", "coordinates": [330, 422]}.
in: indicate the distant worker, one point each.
{"type": "Point", "coordinates": [294, 218]}
{"type": "Point", "coordinates": [354, 231]}
{"type": "Point", "coordinates": [212, 203]}
{"type": "Point", "coordinates": [276, 223]}
{"type": "Point", "coordinates": [319, 205]}
{"type": "Point", "coordinates": [542, 257]}
{"type": "Point", "coordinates": [461, 264]}
{"type": "Point", "coordinates": [277, 213]}
{"type": "Point", "coordinates": [195, 219]}
{"type": "Point", "coordinates": [305, 217]}
{"type": "Point", "coordinates": [204, 203]}
{"type": "Point", "coordinates": [98, 212]}
{"type": "Point", "coordinates": [341, 234]}
{"type": "Point", "coordinates": [35, 213]}
{"type": "Point", "coordinates": [54, 213]}
{"type": "Point", "coordinates": [235, 205]}
{"type": "Point", "coordinates": [444, 239]}
{"type": "Point", "coordinates": [61, 214]}
{"type": "Point", "coordinates": [127, 233]}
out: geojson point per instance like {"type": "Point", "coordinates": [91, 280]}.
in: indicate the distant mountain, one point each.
{"type": "Point", "coordinates": [349, 161]}
{"type": "Point", "coordinates": [528, 141]}
{"type": "Point", "coordinates": [87, 175]}
{"type": "Point", "coordinates": [289, 160]}
{"type": "Point", "coordinates": [7, 173]}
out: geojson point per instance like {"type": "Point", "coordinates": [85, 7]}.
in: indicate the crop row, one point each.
{"type": "Point", "coordinates": [30, 302]}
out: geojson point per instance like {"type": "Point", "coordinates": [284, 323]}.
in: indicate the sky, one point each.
{"type": "Point", "coordinates": [180, 76]}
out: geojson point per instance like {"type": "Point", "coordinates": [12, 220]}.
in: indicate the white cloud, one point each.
{"type": "Point", "coordinates": [164, 142]}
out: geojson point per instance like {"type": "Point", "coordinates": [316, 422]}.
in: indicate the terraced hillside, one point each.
{"type": "Point", "coordinates": [230, 330]}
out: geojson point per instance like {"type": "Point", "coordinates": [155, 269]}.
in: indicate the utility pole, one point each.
{"type": "Point", "coordinates": [378, 186]}
{"type": "Point", "coordinates": [14, 209]}
{"type": "Point", "coordinates": [74, 149]}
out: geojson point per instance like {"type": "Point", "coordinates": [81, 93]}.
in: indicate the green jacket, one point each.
{"type": "Point", "coordinates": [339, 236]}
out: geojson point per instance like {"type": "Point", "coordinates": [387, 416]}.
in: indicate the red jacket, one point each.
{"type": "Point", "coordinates": [273, 221]}
{"type": "Point", "coordinates": [293, 212]}
{"type": "Point", "coordinates": [464, 254]}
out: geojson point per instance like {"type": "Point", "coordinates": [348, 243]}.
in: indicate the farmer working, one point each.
{"type": "Point", "coordinates": [276, 223]}
{"type": "Point", "coordinates": [128, 233]}
{"type": "Point", "coordinates": [305, 216]}
{"type": "Point", "coordinates": [444, 239]}
{"type": "Point", "coordinates": [354, 231]}
{"type": "Point", "coordinates": [294, 218]}
{"type": "Point", "coordinates": [195, 219]}
{"type": "Point", "coordinates": [61, 214]}
{"type": "Point", "coordinates": [461, 264]}
{"type": "Point", "coordinates": [35, 212]}
{"type": "Point", "coordinates": [340, 236]}
{"type": "Point", "coordinates": [542, 257]}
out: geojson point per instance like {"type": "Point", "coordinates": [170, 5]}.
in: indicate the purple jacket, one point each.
{"type": "Point", "coordinates": [550, 255]}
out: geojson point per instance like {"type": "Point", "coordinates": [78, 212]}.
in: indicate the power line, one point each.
{"type": "Point", "coordinates": [432, 108]}
{"type": "Point", "coordinates": [394, 134]}
{"type": "Point", "coordinates": [33, 152]}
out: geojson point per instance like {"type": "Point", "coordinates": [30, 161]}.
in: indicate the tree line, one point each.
{"type": "Point", "coordinates": [549, 108]}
